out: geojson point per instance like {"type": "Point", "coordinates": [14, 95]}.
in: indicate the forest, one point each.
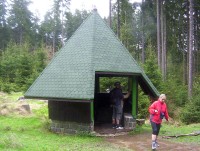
{"type": "Point", "coordinates": [162, 36]}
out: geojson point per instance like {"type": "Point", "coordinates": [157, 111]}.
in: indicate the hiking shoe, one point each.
{"type": "Point", "coordinates": [119, 128]}
{"type": "Point", "coordinates": [154, 145]}
{"type": "Point", "coordinates": [114, 126]}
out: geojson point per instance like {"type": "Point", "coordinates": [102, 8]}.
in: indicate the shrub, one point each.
{"type": "Point", "coordinates": [190, 113]}
{"type": "Point", "coordinates": [143, 105]}
{"type": "Point", "coordinates": [19, 66]}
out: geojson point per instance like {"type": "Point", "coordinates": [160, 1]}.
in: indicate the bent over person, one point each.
{"type": "Point", "coordinates": [157, 110]}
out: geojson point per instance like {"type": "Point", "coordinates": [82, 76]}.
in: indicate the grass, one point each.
{"type": "Point", "coordinates": [30, 132]}
{"type": "Point", "coordinates": [10, 97]}
{"type": "Point", "coordinates": [168, 130]}
{"type": "Point", "coordinates": [145, 128]}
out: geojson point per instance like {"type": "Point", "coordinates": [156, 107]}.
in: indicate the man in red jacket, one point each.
{"type": "Point", "coordinates": [157, 110]}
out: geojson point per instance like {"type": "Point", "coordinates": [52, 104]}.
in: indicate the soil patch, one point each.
{"type": "Point", "coordinates": [142, 142]}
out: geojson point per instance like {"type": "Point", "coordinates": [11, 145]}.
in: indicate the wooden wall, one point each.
{"type": "Point", "coordinates": [69, 111]}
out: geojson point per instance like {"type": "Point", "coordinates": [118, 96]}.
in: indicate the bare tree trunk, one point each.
{"type": "Point", "coordinates": [191, 45]}
{"type": "Point", "coordinates": [143, 51]}
{"type": "Point", "coordinates": [118, 19]}
{"type": "Point", "coordinates": [187, 55]}
{"type": "Point", "coordinates": [182, 44]}
{"type": "Point", "coordinates": [165, 47]}
{"type": "Point", "coordinates": [62, 24]}
{"type": "Point", "coordinates": [196, 39]}
{"type": "Point", "coordinates": [163, 41]}
{"type": "Point", "coordinates": [21, 36]}
{"type": "Point", "coordinates": [158, 34]}
{"type": "Point", "coordinates": [185, 67]}
{"type": "Point", "coordinates": [110, 8]}
{"type": "Point", "coordinates": [54, 43]}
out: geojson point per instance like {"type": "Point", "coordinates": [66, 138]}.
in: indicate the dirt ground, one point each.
{"type": "Point", "coordinates": [142, 142]}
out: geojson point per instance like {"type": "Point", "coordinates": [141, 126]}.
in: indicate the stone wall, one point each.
{"type": "Point", "coordinates": [129, 121]}
{"type": "Point", "coordinates": [71, 127]}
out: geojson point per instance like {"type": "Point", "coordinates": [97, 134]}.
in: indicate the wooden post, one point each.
{"type": "Point", "coordinates": [134, 97]}
{"type": "Point", "coordinates": [92, 111]}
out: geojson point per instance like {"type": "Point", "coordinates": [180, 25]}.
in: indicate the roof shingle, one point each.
{"type": "Point", "coordinates": [71, 74]}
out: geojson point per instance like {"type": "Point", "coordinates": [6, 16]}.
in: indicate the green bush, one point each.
{"type": "Point", "coordinates": [190, 113]}
{"type": "Point", "coordinates": [7, 87]}
{"type": "Point", "coordinates": [108, 83]}
{"type": "Point", "coordinates": [19, 66]}
{"type": "Point", "coordinates": [176, 91]}
{"type": "Point", "coordinates": [143, 105]}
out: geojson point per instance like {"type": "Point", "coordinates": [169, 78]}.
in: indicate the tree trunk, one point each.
{"type": "Point", "coordinates": [62, 24]}
{"type": "Point", "coordinates": [158, 34]}
{"type": "Point", "coordinates": [110, 8]}
{"type": "Point", "coordinates": [21, 36]}
{"type": "Point", "coordinates": [196, 40]}
{"type": "Point", "coordinates": [163, 41]}
{"type": "Point", "coordinates": [185, 67]}
{"type": "Point", "coordinates": [143, 51]}
{"type": "Point", "coordinates": [54, 43]}
{"type": "Point", "coordinates": [191, 46]}
{"type": "Point", "coordinates": [118, 19]}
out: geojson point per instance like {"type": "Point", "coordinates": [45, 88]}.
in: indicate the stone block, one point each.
{"type": "Point", "coordinates": [129, 121]}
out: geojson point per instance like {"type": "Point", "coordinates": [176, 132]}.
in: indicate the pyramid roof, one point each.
{"type": "Point", "coordinates": [92, 48]}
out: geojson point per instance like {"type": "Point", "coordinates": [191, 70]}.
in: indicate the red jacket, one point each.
{"type": "Point", "coordinates": [161, 107]}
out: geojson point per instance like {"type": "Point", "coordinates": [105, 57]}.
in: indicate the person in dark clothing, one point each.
{"type": "Point", "coordinates": [117, 103]}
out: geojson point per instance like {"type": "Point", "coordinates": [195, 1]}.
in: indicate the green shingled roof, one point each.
{"type": "Point", "coordinates": [71, 73]}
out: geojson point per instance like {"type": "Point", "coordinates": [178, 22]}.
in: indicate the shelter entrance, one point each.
{"type": "Point", "coordinates": [102, 104]}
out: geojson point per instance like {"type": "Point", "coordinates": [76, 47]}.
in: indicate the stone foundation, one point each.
{"type": "Point", "coordinates": [71, 127]}
{"type": "Point", "coordinates": [140, 121]}
{"type": "Point", "coordinates": [129, 121]}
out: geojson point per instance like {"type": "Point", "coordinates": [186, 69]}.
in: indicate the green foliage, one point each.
{"type": "Point", "coordinates": [143, 105]}
{"type": "Point", "coordinates": [151, 68]}
{"type": "Point", "coordinates": [20, 21]}
{"type": "Point", "coordinates": [108, 83]}
{"type": "Point", "coordinates": [175, 90]}
{"type": "Point", "coordinates": [74, 21]}
{"type": "Point", "coordinates": [190, 113]}
{"type": "Point", "coordinates": [19, 67]}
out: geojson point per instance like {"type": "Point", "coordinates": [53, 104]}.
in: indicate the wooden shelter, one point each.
{"type": "Point", "coordinates": [71, 82]}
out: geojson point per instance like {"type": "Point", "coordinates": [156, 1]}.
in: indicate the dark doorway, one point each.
{"type": "Point", "coordinates": [102, 104]}
{"type": "Point", "coordinates": [103, 114]}
{"type": "Point", "coordinates": [102, 108]}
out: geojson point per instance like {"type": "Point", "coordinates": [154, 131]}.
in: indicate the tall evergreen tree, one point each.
{"type": "Point", "coordinates": [54, 24]}
{"type": "Point", "coordinates": [21, 21]}
{"type": "Point", "coordinates": [3, 13]}
{"type": "Point", "coordinates": [4, 31]}
{"type": "Point", "coordinates": [191, 49]}
{"type": "Point", "coordinates": [74, 21]}
{"type": "Point", "coordinates": [158, 2]}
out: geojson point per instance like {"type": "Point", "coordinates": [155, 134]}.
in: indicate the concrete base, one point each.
{"type": "Point", "coordinates": [129, 121]}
